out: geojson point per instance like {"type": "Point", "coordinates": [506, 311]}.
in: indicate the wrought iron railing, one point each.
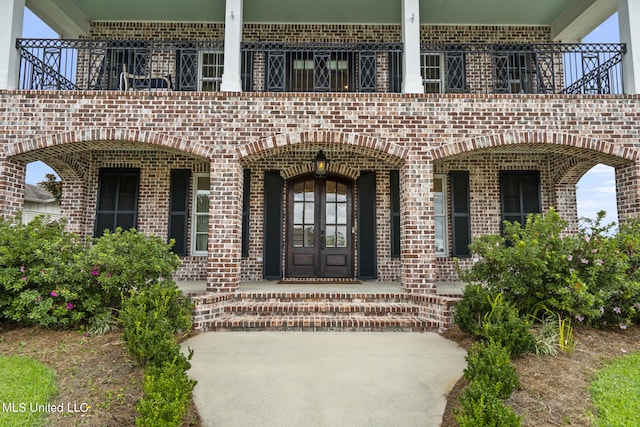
{"type": "Point", "coordinates": [86, 64]}
{"type": "Point", "coordinates": [523, 68]}
{"type": "Point", "coordinates": [322, 67]}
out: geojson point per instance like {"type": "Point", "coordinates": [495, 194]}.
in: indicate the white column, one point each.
{"type": "Point", "coordinates": [629, 24]}
{"type": "Point", "coordinates": [411, 79]}
{"type": "Point", "coordinates": [232, 38]}
{"type": "Point", "coordinates": [11, 17]}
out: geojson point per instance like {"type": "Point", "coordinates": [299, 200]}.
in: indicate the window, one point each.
{"type": "Point", "coordinates": [444, 72]}
{"type": "Point", "coordinates": [431, 68]}
{"type": "Point", "coordinates": [520, 194]}
{"type": "Point", "coordinates": [117, 204]}
{"type": "Point", "coordinates": [310, 72]}
{"type": "Point", "coordinates": [211, 65]}
{"type": "Point", "coordinates": [440, 214]}
{"type": "Point", "coordinates": [513, 71]}
{"type": "Point", "coordinates": [200, 219]}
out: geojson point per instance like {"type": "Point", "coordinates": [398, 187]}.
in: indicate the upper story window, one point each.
{"type": "Point", "coordinates": [513, 69]}
{"type": "Point", "coordinates": [210, 68]}
{"type": "Point", "coordinates": [310, 72]}
{"type": "Point", "coordinates": [432, 70]}
{"type": "Point", "coordinates": [444, 72]}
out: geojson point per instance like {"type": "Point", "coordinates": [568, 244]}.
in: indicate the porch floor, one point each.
{"type": "Point", "coordinates": [366, 287]}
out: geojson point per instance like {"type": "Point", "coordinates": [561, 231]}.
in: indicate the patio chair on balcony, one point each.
{"type": "Point", "coordinates": [132, 80]}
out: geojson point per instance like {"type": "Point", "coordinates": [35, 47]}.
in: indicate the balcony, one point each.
{"type": "Point", "coordinates": [85, 64]}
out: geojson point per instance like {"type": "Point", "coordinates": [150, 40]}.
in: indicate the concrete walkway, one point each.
{"type": "Point", "coordinates": [323, 378]}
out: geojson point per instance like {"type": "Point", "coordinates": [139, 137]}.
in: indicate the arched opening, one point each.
{"type": "Point", "coordinates": [596, 191]}
{"type": "Point", "coordinates": [41, 199]}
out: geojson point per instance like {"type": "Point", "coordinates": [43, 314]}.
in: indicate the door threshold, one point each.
{"type": "Point", "coordinates": [319, 281]}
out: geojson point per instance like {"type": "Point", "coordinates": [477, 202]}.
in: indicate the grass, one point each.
{"type": "Point", "coordinates": [615, 391]}
{"type": "Point", "coordinates": [25, 385]}
{"type": "Point", "coordinates": [95, 371]}
{"type": "Point", "coordinates": [555, 390]}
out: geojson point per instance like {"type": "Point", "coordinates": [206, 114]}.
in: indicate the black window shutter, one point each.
{"type": "Point", "coordinates": [276, 76]}
{"type": "Point", "coordinates": [367, 252]}
{"type": "Point", "coordinates": [456, 72]}
{"type": "Point", "coordinates": [395, 72]}
{"type": "Point", "coordinates": [394, 189]}
{"type": "Point", "coordinates": [460, 213]}
{"type": "Point", "coordinates": [179, 209]}
{"type": "Point", "coordinates": [247, 71]}
{"type": "Point", "coordinates": [246, 208]}
{"type": "Point", "coordinates": [272, 250]}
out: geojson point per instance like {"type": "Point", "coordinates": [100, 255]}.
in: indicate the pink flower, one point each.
{"type": "Point", "coordinates": [569, 257]}
{"type": "Point", "coordinates": [623, 326]}
{"type": "Point", "coordinates": [69, 306]}
{"type": "Point", "coordinates": [579, 318]}
{"type": "Point", "coordinates": [617, 310]}
{"type": "Point", "coordinates": [53, 294]}
{"type": "Point", "coordinates": [95, 271]}
{"type": "Point", "coordinates": [584, 260]}
{"type": "Point", "coordinates": [24, 278]}
{"type": "Point", "coordinates": [22, 269]}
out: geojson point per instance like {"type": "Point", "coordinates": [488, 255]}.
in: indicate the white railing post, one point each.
{"type": "Point", "coordinates": [233, 21]}
{"type": "Point", "coordinates": [11, 19]}
{"type": "Point", "coordinates": [411, 79]}
{"type": "Point", "coordinates": [629, 24]}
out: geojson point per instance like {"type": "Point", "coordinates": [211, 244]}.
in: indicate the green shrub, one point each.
{"type": "Point", "coordinates": [167, 394]}
{"type": "Point", "coordinates": [479, 406]}
{"type": "Point", "coordinates": [124, 260]}
{"type": "Point", "coordinates": [152, 320]}
{"type": "Point", "coordinates": [38, 275]}
{"type": "Point", "coordinates": [504, 326]}
{"type": "Point", "coordinates": [470, 311]}
{"type": "Point", "coordinates": [489, 365]}
{"type": "Point", "coordinates": [590, 276]}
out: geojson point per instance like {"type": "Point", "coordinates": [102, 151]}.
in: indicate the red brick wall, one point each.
{"type": "Point", "coordinates": [419, 134]}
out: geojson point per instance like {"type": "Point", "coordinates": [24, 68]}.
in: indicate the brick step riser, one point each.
{"type": "Point", "coordinates": [327, 311]}
{"type": "Point", "coordinates": [325, 324]}
{"type": "Point", "coordinates": [322, 298]}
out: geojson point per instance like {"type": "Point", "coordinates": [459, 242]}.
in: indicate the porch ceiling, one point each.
{"type": "Point", "coordinates": [463, 12]}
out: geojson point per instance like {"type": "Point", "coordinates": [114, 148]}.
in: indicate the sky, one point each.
{"type": "Point", "coordinates": [595, 191]}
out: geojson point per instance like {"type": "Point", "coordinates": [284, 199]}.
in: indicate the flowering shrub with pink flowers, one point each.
{"type": "Point", "coordinates": [591, 277]}
{"type": "Point", "coordinates": [52, 278]}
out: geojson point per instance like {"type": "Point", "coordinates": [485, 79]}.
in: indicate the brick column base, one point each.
{"type": "Point", "coordinates": [628, 191]}
{"type": "Point", "coordinates": [225, 225]}
{"type": "Point", "coordinates": [12, 173]}
{"type": "Point", "coordinates": [417, 242]}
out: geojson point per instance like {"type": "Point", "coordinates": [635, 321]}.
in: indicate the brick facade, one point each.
{"type": "Point", "coordinates": [77, 133]}
{"type": "Point", "coordinates": [420, 135]}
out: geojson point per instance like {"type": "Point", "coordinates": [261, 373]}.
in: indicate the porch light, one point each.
{"type": "Point", "coordinates": [320, 164]}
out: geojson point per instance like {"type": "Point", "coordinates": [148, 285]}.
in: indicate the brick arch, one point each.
{"type": "Point", "coordinates": [612, 152]}
{"type": "Point", "coordinates": [93, 136]}
{"type": "Point", "coordinates": [375, 147]}
{"type": "Point", "coordinates": [306, 168]}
